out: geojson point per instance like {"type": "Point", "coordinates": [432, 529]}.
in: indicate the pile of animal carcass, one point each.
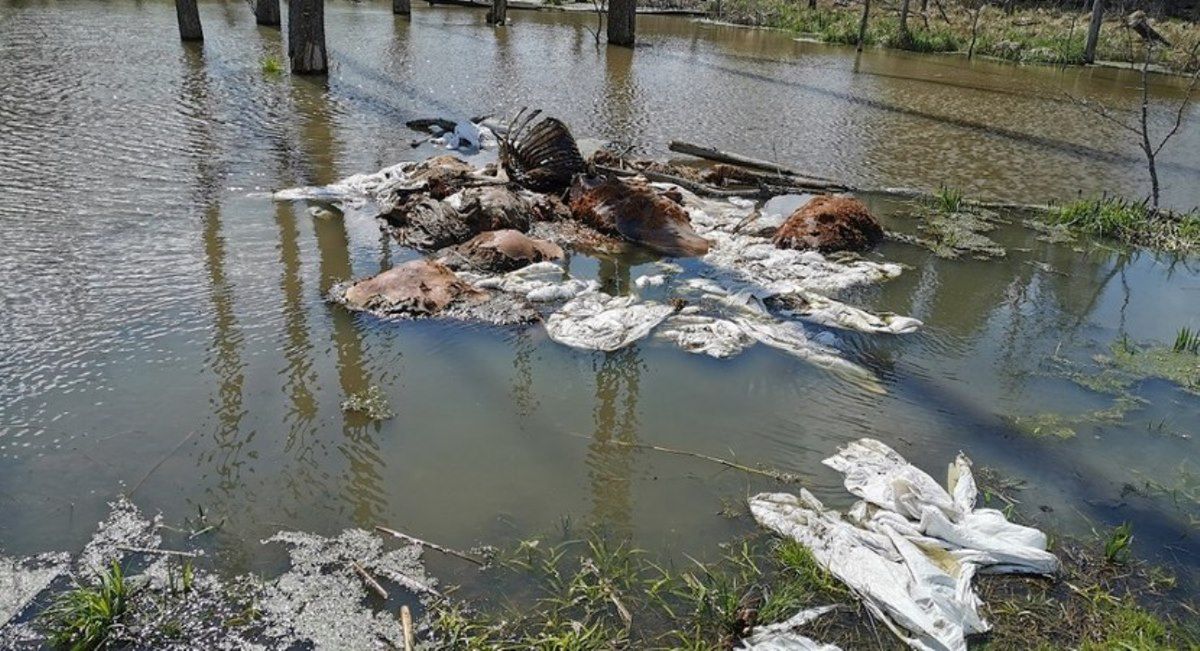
{"type": "Point", "coordinates": [727, 273]}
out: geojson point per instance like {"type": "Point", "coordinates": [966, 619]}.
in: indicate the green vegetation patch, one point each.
{"type": "Point", "coordinates": [1130, 222]}
{"type": "Point", "coordinates": [83, 617]}
{"type": "Point", "coordinates": [951, 227]}
{"type": "Point", "coordinates": [1181, 367]}
{"type": "Point", "coordinates": [371, 402]}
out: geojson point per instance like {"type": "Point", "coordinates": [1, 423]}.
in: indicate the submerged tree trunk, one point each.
{"type": "Point", "coordinates": [862, 25]}
{"type": "Point", "coordinates": [402, 7]}
{"type": "Point", "coordinates": [189, 20]}
{"type": "Point", "coordinates": [1093, 35]}
{"type": "Point", "coordinates": [498, 14]}
{"type": "Point", "coordinates": [622, 17]}
{"type": "Point", "coordinates": [306, 36]}
{"type": "Point", "coordinates": [266, 12]}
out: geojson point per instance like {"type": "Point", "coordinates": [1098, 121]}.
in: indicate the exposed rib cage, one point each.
{"type": "Point", "coordinates": [542, 157]}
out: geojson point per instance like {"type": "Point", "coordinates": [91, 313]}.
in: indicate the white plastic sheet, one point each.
{"type": "Point", "coordinates": [783, 637]}
{"type": "Point", "coordinates": [598, 321]}
{"type": "Point", "coordinates": [911, 548]}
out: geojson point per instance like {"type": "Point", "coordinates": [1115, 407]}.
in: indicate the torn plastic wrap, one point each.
{"type": "Point", "coordinates": [911, 548]}
{"type": "Point", "coordinates": [356, 191]}
{"type": "Point", "coordinates": [983, 537]}
{"type": "Point", "coordinates": [598, 321]}
{"type": "Point", "coordinates": [783, 637]}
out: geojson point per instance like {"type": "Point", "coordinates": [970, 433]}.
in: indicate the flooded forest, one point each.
{"type": "Point", "coordinates": [654, 324]}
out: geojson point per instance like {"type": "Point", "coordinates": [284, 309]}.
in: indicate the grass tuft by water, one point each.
{"type": "Point", "coordinates": [272, 66]}
{"type": "Point", "coordinates": [1130, 222]}
{"type": "Point", "coordinates": [1117, 547]}
{"type": "Point", "coordinates": [83, 617]}
{"type": "Point", "coordinates": [1187, 341]}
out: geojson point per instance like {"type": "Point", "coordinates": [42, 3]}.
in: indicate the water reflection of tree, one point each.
{"type": "Point", "coordinates": [224, 355]}
{"type": "Point", "coordinates": [610, 467]}
{"type": "Point", "coordinates": [363, 488]}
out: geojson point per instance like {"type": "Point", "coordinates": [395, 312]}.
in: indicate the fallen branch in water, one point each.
{"type": "Point", "coordinates": [710, 153]}
{"type": "Point", "coordinates": [783, 180]}
{"type": "Point", "coordinates": [425, 543]}
{"type": "Point", "coordinates": [369, 580]}
{"type": "Point", "coordinates": [407, 623]}
{"type": "Point", "coordinates": [699, 189]}
{"type": "Point", "coordinates": [161, 552]}
{"type": "Point", "coordinates": [160, 462]}
{"type": "Point", "coordinates": [783, 477]}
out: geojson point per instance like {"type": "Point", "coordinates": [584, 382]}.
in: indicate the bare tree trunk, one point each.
{"type": "Point", "coordinates": [1146, 147]}
{"type": "Point", "coordinates": [1093, 35]}
{"type": "Point", "coordinates": [862, 25]}
{"type": "Point", "coordinates": [622, 19]}
{"type": "Point", "coordinates": [266, 12]}
{"type": "Point", "coordinates": [905, 37]}
{"type": "Point", "coordinates": [498, 14]}
{"type": "Point", "coordinates": [189, 20]}
{"type": "Point", "coordinates": [812, 4]}
{"type": "Point", "coordinates": [306, 36]}
{"type": "Point", "coordinates": [975, 30]}
{"type": "Point", "coordinates": [402, 7]}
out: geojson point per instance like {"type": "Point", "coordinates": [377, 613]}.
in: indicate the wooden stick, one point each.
{"type": "Point", "coordinates": [406, 622]}
{"type": "Point", "coordinates": [369, 580]}
{"type": "Point", "coordinates": [697, 188]}
{"type": "Point", "coordinates": [428, 545]}
{"type": "Point", "coordinates": [719, 156]}
{"type": "Point", "coordinates": [784, 477]}
{"type": "Point", "coordinates": [160, 462]}
{"type": "Point", "coordinates": [163, 552]}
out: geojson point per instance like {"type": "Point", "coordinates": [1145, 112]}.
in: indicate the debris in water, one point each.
{"type": "Point", "coordinates": [415, 288]}
{"type": "Point", "coordinates": [830, 223]}
{"type": "Point", "coordinates": [371, 402]}
{"type": "Point", "coordinates": [598, 321]}
{"type": "Point", "coordinates": [911, 548]}
{"type": "Point", "coordinates": [320, 599]}
{"type": "Point", "coordinates": [500, 251]}
{"type": "Point", "coordinates": [541, 156]}
{"type": "Point", "coordinates": [635, 211]}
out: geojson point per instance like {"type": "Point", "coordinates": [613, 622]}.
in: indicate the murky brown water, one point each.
{"type": "Point", "coordinates": [163, 330]}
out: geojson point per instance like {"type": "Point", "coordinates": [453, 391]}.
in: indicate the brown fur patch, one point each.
{"type": "Point", "coordinates": [830, 223]}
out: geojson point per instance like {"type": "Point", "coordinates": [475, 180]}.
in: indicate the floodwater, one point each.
{"type": "Point", "coordinates": [164, 331]}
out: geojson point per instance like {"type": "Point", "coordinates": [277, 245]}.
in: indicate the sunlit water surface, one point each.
{"type": "Point", "coordinates": [164, 332]}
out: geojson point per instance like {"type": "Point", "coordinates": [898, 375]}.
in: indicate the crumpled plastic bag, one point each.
{"type": "Point", "coordinates": [948, 517]}
{"type": "Point", "coordinates": [598, 321]}
{"type": "Point", "coordinates": [467, 136]}
{"type": "Point", "coordinates": [782, 636]}
{"type": "Point", "coordinates": [912, 547]}
{"type": "Point", "coordinates": [540, 282]}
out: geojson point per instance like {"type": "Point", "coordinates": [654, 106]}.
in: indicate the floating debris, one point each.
{"type": "Point", "coordinates": [371, 402]}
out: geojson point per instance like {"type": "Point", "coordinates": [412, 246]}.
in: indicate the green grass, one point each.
{"type": "Point", "coordinates": [82, 618]}
{"type": "Point", "coordinates": [272, 66]}
{"type": "Point", "coordinates": [1187, 341]}
{"type": "Point", "coordinates": [948, 200]}
{"type": "Point", "coordinates": [1130, 222]}
{"type": "Point", "coordinates": [1117, 547]}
